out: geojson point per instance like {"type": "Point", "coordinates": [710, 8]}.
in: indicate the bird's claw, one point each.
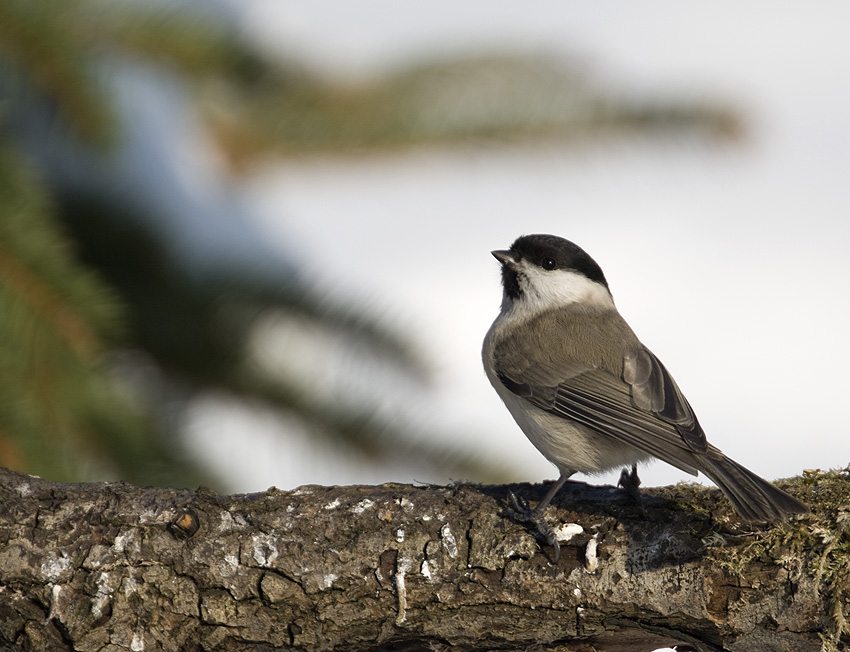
{"type": "Point", "coordinates": [520, 511]}
{"type": "Point", "coordinates": [630, 482]}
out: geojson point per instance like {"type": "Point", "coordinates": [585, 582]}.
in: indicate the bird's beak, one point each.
{"type": "Point", "coordinates": [504, 256]}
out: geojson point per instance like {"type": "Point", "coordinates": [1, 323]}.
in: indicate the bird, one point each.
{"type": "Point", "coordinates": [588, 394]}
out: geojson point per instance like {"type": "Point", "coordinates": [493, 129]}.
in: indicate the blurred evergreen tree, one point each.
{"type": "Point", "coordinates": [86, 273]}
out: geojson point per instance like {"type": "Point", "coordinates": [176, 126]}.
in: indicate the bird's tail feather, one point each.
{"type": "Point", "coordinates": [754, 498]}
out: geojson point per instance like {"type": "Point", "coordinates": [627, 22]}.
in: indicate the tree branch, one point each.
{"type": "Point", "coordinates": [397, 567]}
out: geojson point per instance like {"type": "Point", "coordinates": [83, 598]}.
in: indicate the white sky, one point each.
{"type": "Point", "coordinates": [731, 264]}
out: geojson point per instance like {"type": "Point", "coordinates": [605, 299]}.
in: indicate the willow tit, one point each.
{"type": "Point", "coordinates": [587, 393]}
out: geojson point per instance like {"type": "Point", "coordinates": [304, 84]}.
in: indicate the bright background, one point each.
{"type": "Point", "coordinates": [729, 262]}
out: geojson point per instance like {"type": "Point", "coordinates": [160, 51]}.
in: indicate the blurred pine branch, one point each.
{"type": "Point", "coordinates": [87, 274]}
{"type": "Point", "coordinates": [444, 102]}
{"type": "Point", "coordinates": [41, 52]}
{"type": "Point", "coordinates": [60, 414]}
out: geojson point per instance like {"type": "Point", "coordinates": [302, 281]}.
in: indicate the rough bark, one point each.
{"type": "Point", "coordinates": [112, 567]}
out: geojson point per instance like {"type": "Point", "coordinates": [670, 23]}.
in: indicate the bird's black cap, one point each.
{"type": "Point", "coordinates": [548, 252]}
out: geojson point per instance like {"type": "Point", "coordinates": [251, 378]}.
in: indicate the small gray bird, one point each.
{"type": "Point", "coordinates": [587, 393]}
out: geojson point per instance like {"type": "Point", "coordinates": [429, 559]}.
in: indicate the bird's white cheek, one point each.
{"type": "Point", "coordinates": [544, 290]}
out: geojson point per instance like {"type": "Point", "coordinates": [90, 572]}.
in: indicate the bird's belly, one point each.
{"type": "Point", "coordinates": [568, 445]}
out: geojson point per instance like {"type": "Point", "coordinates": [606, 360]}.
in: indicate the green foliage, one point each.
{"type": "Point", "coordinates": [45, 56]}
{"type": "Point", "coordinates": [60, 415]}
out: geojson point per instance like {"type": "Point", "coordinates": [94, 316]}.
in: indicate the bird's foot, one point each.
{"type": "Point", "coordinates": [521, 512]}
{"type": "Point", "coordinates": [630, 482]}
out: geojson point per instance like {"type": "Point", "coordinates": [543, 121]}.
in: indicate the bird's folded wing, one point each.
{"type": "Point", "coordinates": [644, 408]}
{"type": "Point", "coordinates": [653, 390]}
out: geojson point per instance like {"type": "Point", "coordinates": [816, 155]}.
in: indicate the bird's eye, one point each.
{"type": "Point", "coordinates": [548, 263]}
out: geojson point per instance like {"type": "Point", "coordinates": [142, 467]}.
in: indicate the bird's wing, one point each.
{"type": "Point", "coordinates": [653, 390]}
{"type": "Point", "coordinates": [642, 407]}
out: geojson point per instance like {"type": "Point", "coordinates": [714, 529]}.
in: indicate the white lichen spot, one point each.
{"type": "Point", "coordinates": [23, 490]}
{"type": "Point", "coordinates": [426, 570]}
{"type": "Point", "coordinates": [226, 523]}
{"type": "Point", "coordinates": [138, 642]}
{"type": "Point", "coordinates": [130, 586]}
{"type": "Point", "coordinates": [54, 565]}
{"type": "Point", "coordinates": [333, 504]}
{"type": "Point", "coordinates": [119, 543]}
{"type": "Point", "coordinates": [405, 503]}
{"type": "Point", "coordinates": [328, 580]}
{"type": "Point", "coordinates": [591, 561]}
{"type": "Point", "coordinates": [148, 517]}
{"type": "Point", "coordinates": [402, 568]}
{"type": "Point", "coordinates": [577, 593]}
{"type": "Point", "coordinates": [566, 531]}
{"type": "Point", "coordinates": [363, 505]}
{"type": "Point", "coordinates": [449, 541]}
{"type": "Point", "coordinates": [264, 550]}
{"type": "Point", "coordinates": [290, 509]}
{"type": "Point", "coordinates": [126, 543]}
{"type": "Point", "coordinates": [229, 565]}
{"type": "Point", "coordinates": [399, 535]}
{"type": "Point", "coordinates": [56, 594]}
{"type": "Point", "coordinates": [102, 596]}
{"type": "Point", "coordinates": [229, 522]}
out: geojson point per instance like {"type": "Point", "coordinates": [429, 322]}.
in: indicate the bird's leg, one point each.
{"type": "Point", "coordinates": [630, 482]}
{"type": "Point", "coordinates": [522, 512]}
